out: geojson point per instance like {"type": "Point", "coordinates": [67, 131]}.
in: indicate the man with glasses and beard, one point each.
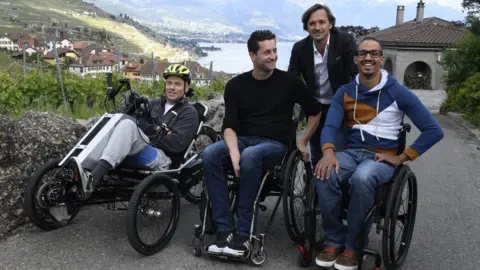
{"type": "Point", "coordinates": [257, 129]}
{"type": "Point", "coordinates": [372, 109]}
{"type": "Point", "coordinates": [325, 61]}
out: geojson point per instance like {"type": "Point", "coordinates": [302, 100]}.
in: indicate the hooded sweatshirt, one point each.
{"type": "Point", "coordinates": [374, 117]}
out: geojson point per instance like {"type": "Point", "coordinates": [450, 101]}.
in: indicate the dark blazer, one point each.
{"type": "Point", "coordinates": [340, 65]}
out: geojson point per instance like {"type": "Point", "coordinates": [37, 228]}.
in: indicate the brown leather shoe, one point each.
{"type": "Point", "coordinates": [327, 257]}
{"type": "Point", "coordinates": [348, 260]}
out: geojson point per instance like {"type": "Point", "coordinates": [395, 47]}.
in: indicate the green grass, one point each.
{"type": "Point", "coordinates": [4, 60]}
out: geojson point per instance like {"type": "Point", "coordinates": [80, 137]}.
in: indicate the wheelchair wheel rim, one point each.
{"type": "Point", "coordinates": [407, 205]}
{"type": "Point", "coordinates": [297, 197]}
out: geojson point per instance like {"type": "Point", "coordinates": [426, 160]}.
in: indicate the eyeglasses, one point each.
{"type": "Point", "coordinates": [373, 53]}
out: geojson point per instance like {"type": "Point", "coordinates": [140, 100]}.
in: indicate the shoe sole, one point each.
{"type": "Point", "coordinates": [323, 263]}
{"type": "Point", "coordinates": [233, 252]}
{"type": "Point", "coordinates": [344, 267]}
{"type": "Point", "coordinates": [215, 249]}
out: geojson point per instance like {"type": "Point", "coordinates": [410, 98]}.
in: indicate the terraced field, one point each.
{"type": "Point", "coordinates": [61, 12]}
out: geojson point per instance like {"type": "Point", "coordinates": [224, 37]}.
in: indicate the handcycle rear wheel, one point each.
{"type": "Point", "coordinates": [159, 187]}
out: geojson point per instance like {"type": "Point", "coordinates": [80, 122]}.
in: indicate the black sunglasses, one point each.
{"type": "Point", "coordinates": [373, 53]}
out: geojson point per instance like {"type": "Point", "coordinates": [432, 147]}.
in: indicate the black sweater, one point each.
{"type": "Point", "coordinates": [264, 108]}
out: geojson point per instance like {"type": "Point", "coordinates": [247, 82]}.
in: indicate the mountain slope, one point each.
{"type": "Point", "coordinates": [220, 17]}
{"type": "Point", "coordinates": [84, 21]}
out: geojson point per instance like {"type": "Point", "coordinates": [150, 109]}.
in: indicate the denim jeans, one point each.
{"type": "Point", "coordinates": [364, 174]}
{"type": "Point", "coordinates": [255, 153]}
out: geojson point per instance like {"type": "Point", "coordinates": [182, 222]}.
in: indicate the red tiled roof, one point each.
{"type": "Point", "coordinates": [429, 32]}
{"type": "Point", "coordinates": [132, 67]}
{"type": "Point", "coordinates": [160, 66]}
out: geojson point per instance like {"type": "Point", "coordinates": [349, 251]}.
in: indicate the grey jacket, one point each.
{"type": "Point", "coordinates": [181, 119]}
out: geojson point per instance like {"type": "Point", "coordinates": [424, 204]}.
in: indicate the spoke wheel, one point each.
{"type": "Point", "coordinates": [151, 224]}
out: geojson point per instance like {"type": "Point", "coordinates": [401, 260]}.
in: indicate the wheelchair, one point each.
{"type": "Point", "coordinates": [56, 191]}
{"type": "Point", "coordinates": [385, 213]}
{"type": "Point", "coordinates": [273, 184]}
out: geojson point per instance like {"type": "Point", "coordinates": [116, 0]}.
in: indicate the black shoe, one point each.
{"type": "Point", "coordinates": [238, 247]}
{"type": "Point", "coordinates": [223, 239]}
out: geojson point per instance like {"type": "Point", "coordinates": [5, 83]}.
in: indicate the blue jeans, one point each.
{"type": "Point", "coordinates": [255, 153]}
{"type": "Point", "coordinates": [364, 174]}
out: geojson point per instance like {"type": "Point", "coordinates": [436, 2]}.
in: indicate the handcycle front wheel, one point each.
{"type": "Point", "coordinates": [41, 189]}
{"type": "Point", "coordinates": [145, 205]}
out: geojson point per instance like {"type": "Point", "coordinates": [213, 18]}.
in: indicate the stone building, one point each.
{"type": "Point", "coordinates": [413, 50]}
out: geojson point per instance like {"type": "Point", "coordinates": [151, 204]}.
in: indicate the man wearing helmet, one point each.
{"type": "Point", "coordinates": [141, 144]}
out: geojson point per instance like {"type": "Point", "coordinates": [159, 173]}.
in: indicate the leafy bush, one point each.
{"type": "Point", "coordinates": [467, 99]}
{"type": "Point", "coordinates": [463, 65]}
{"type": "Point", "coordinates": [85, 96]}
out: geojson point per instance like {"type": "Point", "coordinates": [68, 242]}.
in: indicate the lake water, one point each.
{"type": "Point", "coordinates": [234, 58]}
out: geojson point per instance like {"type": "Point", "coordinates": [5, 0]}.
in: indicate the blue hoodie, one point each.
{"type": "Point", "coordinates": [373, 118]}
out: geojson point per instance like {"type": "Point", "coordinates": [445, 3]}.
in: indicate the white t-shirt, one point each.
{"type": "Point", "coordinates": [167, 108]}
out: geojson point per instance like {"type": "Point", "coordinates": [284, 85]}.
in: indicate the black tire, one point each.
{"type": "Point", "coordinates": [135, 206]}
{"type": "Point", "coordinates": [195, 184]}
{"type": "Point", "coordinates": [295, 233]}
{"type": "Point", "coordinates": [302, 261]}
{"type": "Point", "coordinates": [393, 258]}
{"type": "Point", "coordinates": [35, 213]}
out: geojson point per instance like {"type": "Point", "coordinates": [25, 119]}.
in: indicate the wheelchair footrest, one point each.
{"type": "Point", "coordinates": [227, 256]}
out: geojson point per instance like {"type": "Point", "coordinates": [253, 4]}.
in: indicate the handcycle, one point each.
{"type": "Point", "coordinates": [277, 181]}
{"type": "Point", "coordinates": [385, 213]}
{"type": "Point", "coordinates": [59, 188]}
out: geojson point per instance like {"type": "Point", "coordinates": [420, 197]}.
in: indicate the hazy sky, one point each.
{"type": "Point", "coordinates": [456, 4]}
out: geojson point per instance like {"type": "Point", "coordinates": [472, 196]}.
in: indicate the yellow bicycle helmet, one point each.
{"type": "Point", "coordinates": [178, 70]}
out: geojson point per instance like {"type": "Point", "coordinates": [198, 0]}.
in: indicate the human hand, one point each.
{"type": "Point", "coordinates": [324, 167]}
{"type": "Point", "coordinates": [394, 160]}
{"type": "Point", "coordinates": [302, 147]}
{"type": "Point", "coordinates": [235, 157]}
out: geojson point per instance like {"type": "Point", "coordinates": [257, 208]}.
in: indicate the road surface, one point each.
{"type": "Point", "coordinates": [446, 235]}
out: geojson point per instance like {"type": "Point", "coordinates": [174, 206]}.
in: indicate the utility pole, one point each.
{"type": "Point", "coordinates": [154, 71]}
{"type": "Point", "coordinates": [59, 71]}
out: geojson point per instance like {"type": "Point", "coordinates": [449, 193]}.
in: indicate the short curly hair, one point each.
{"type": "Point", "coordinates": [257, 36]}
{"type": "Point", "coordinates": [306, 15]}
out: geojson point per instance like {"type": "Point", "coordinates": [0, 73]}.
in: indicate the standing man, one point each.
{"type": "Point", "coordinates": [325, 61]}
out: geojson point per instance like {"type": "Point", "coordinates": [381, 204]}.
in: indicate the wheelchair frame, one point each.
{"type": "Point", "coordinates": [271, 185]}
{"type": "Point", "coordinates": [386, 198]}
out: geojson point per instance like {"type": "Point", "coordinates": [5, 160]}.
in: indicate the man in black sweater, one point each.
{"type": "Point", "coordinates": [257, 130]}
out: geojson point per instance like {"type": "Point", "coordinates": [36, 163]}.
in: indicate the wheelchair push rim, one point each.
{"type": "Point", "coordinates": [144, 206]}
{"type": "Point", "coordinates": [400, 217]}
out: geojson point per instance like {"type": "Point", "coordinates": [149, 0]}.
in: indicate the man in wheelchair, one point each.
{"type": "Point", "coordinates": [257, 130]}
{"type": "Point", "coordinates": [372, 108]}
{"type": "Point", "coordinates": [151, 139]}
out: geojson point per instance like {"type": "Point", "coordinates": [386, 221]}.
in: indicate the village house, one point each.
{"type": "Point", "coordinates": [132, 71]}
{"type": "Point", "coordinates": [49, 56]}
{"type": "Point", "coordinates": [413, 50]}
{"type": "Point", "coordinates": [148, 73]}
{"type": "Point", "coordinates": [96, 63]}
{"type": "Point", "coordinates": [9, 43]}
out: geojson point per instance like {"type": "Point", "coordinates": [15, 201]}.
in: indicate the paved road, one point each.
{"type": "Point", "coordinates": [446, 234]}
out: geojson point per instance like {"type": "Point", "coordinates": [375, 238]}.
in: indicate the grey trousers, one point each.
{"type": "Point", "coordinates": [126, 139]}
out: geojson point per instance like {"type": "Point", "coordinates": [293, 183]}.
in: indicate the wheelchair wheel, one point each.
{"type": "Point", "coordinates": [206, 137]}
{"type": "Point", "coordinates": [145, 207]}
{"type": "Point", "coordinates": [296, 179]}
{"type": "Point", "coordinates": [399, 218]}
{"type": "Point", "coordinates": [41, 193]}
